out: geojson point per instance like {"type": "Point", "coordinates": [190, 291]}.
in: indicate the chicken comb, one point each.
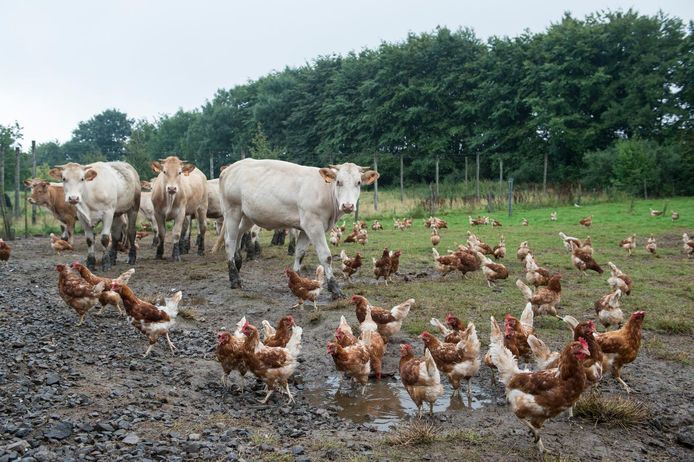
{"type": "Point", "coordinates": [75, 263]}
{"type": "Point", "coordinates": [583, 343]}
{"type": "Point", "coordinates": [507, 325]}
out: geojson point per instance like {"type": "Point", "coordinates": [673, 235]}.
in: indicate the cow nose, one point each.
{"type": "Point", "coordinates": [348, 208]}
{"type": "Point", "coordinates": [73, 199]}
{"type": "Point", "coordinates": [171, 189]}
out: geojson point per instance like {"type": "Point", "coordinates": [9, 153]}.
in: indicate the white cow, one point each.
{"type": "Point", "coordinates": [214, 205]}
{"type": "Point", "coordinates": [103, 191]}
{"type": "Point", "coordinates": [275, 194]}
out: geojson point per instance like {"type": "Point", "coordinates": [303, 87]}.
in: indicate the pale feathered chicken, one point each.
{"type": "Point", "coordinates": [688, 245]}
{"type": "Point", "coordinates": [389, 321]}
{"type": "Point", "coordinates": [619, 280]}
{"type": "Point", "coordinates": [445, 264]}
{"type": "Point", "coordinates": [545, 299]}
{"type": "Point", "coordinates": [523, 251]}
{"type": "Point", "coordinates": [651, 245]}
{"type": "Point", "coordinates": [608, 311]}
{"type": "Point", "coordinates": [628, 244]}
{"type": "Point", "coordinates": [492, 271]}
{"type": "Point", "coordinates": [535, 274]}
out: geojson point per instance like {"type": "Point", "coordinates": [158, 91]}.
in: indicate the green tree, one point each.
{"type": "Point", "coordinates": [260, 147]}
{"type": "Point", "coordinates": [635, 166]}
{"type": "Point", "coordinates": [106, 133]}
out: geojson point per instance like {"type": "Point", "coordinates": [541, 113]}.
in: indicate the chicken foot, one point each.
{"type": "Point", "coordinates": [171, 345]}
{"type": "Point", "coordinates": [536, 435]}
{"type": "Point", "coordinates": [624, 384]}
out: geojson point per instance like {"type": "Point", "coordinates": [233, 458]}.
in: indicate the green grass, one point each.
{"type": "Point", "coordinates": [662, 286]}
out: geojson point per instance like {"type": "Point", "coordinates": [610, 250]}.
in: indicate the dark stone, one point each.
{"type": "Point", "coordinates": [52, 378]}
{"type": "Point", "coordinates": [59, 431]}
{"type": "Point", "coordinates": [297, 450]}
{"type": "Point", "coordinates": [685, 436]}
{"type": "Point", "coordinates": [104, 427]}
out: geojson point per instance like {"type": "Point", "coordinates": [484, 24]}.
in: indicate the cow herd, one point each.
{"type": "Point", "coordinates": [271, 194]}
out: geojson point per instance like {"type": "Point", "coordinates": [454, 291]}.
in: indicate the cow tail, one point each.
{"type": "Point", "coordinates": [220, 239]}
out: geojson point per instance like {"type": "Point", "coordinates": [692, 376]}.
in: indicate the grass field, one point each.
{"type": "Point", "coordinates": [663, 284]}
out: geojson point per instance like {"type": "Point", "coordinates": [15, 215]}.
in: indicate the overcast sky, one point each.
{"type": "Point", "coordinates": [65, 61]}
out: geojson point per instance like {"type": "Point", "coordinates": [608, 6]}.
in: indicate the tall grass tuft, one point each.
{"type": "Point", "coordinates": [611, 410]}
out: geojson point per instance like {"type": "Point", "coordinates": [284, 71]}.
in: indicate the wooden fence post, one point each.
{"type": "Point", "coordinates": [7, 228]}
{"type": "Point", "coordinates": [33, 175]}
{"type": "Point", "coordinates": [544, 176]}
{"type": "Point", "coordinates": [18, 164]}
{"type": "Point", "coordinates": [510, 196]}
{"type": "Point", "coordinates": [477, 175]}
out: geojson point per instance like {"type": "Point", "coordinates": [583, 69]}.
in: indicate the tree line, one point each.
{"type": "Point", "coordinates": [606, 101]}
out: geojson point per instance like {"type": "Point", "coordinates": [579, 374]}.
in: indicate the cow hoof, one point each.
{"type": "Point", "coordinates": [91, 262]}
{"type": "Point", "coordinates": [335, 289]}
{"type": "Point", "coordinates": [159, 256]}
{"type": "Point", "coordinates": [176, 254]}
{"type": "Point", "coordinates": [234, 279]}
{"type": "Point", "coordinates": [132, 258]}
{"type": "Point", "coordinates": [238, 261]}
{"type": "Point", "coordinates": [201, 252]}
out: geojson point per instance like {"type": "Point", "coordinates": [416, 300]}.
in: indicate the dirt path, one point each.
{"type": "Point", "coordinates": [86, 393]}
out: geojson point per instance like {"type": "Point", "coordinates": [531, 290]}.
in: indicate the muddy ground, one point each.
{"type": "Point", "coordinates": [86, 393]}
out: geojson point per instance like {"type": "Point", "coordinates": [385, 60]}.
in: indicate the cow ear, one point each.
{"type": "Point", "coordinates": [188, 169]}
{"type": "Point", "coordinates": [56, 172]}
{"type": "Point", "coordinates": [29, 183]}
{"type": "Point", "coordinates": [369, 177]}
{"type": "Point", "coordinates": [328, 174]}
{"type": "Point", "coordinates": [156, 166]}
{"type": "Point", "coordinates": [90, 174]}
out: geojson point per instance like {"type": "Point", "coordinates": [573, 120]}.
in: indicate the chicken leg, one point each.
{"type": "Point", "coordinates": [269, 393]}
{"type": "Point", "coordinates": [624, 384]}
{"type": "Point", "coordinates": [536, 435]}
{"type": "Point", "coordinates": [289, 393]}
{"type": "Point", "coordinates": [171, 345]}
{"type": "Point", "coordinates": [469, 393]}
{"type": "Point", "coordinates": [148, 350]}
{"type": "Point", "coordinates": [81, 320]}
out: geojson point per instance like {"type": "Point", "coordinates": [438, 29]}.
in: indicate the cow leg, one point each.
{"type": "Point", "coordinates": [63, 233]}
{"type": "Point", "coordinates": [132, 232]}
{"type": "Point", "coordinates": [106, 238]}
{"type": "Point", "coordinates": [218, 225]}
{"type": "Point", "coordinates": [161, 236]}
{"type": "Point", "coordinates": [300, 248]}
{"type": "Point", "coordinates": [232, 222]}
{"type": "Point", "coordinates": [89, 234]}
{"type": "Point", "coordinates": [184, 241]}
{"type": "Point", "coordinates": [176, 234]}
{"type": "Point", "coordinates": [202, 229]}
{"type": "Point", "coordinates": [317, 235]}
{"type": "Point", "coordinates": [116, 239]}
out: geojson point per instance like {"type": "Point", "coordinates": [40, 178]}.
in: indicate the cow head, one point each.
{"type": "Point", "coordinates": [170, 171]}
{"type": "Point", "coordinates": [347, 180]}
{"type": "Point", "coordinates": [39, 191]}
{"type": "Point", "coordinates": [74, 177]}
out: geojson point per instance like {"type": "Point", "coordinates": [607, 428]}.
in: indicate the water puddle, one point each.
{"type": "Point", "coordinates": [385, 403]}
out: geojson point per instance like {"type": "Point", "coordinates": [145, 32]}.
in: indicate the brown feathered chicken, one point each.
{"type": "Point", "coordinates": [478, 245]}
{"type": "Point", "coordinates": [382, 266]}
{"type": "Point", "coordinates": [467, 260]}
{"type": "Point", "coordinates": [619, 279]}
{"type": "Point", "coordinates": [608, 311]}
{"type": "Point", "coordinates": [496, 223]}
{"type": "Point", "coordinates": [376, 226]}
{"type": "Point", "coordinates": [5, 251]}
{"type": "Point", "coordinates": [374, 342]}
{"type": "Point", "coordinates": [688, 245]}
{"type": "Point", "coordinates": [352, 237]}
{"type": "Point", "coordinates": [651, 245]}
{"type": "Point", "coordinates": [545, 299]}
{"type": "Point", "coordinates": [535, 275]}
{"type": "Point", "coordinates": [153, 321]}
{"type": "Point", "coordinates": [347, 337]}
{"type": "Point", "coordinates": [278, 337]}
{"type": "Point", "coordinates": [435, 237]}
{"type": "Point", "coordinates": [230, 353]}
{"type": "Point", "coordinates": [452, 331]}
{"type": "Point", "coordinates": [305, 288]}
{"type": "Point", "coordinates": [535, 397]}
{"type": "Point", "coordinates": [656, 213]}
{"type": "Point", "coordinates": [141, 235]}
{"type": "Point", "coordinates": [394, 263]}
{"type": "Point", "coordinates": [76, 292]}
{"type": "Point", "coordinates": [621, 347]}
{"type": "Point", "coordinates": [567, 240]}
{"type": "Point", "coordinates": [446, 263]}
{"type": "Point", "coordinates": [421, 377]}
{"type": "Point", "coordinates": [335, 236]}
{"type": "Point", "coordinates": [352, 360]}
{"type": "Point", "coordinates": [457, 360]}
{"type": "Point", "coordinates": [587, 221]}
{"type": "Point", "coordinates": [499, 250]}
{"type": "Point", "coordinates": [523, 251]}
{"type": "Point", "coordinates": [60, 245]}
{"type": "Point", "coordinates": [492, 271]}
{"type": "Point", "coordinates": [628, 244]}
{"type": "Point", "coordinates": [350, 265]}
{"type": "Point", "coordinates": [389, 322]}
{"type": "Point", "coordinates": [583, 260]}
{"type": "Point", "coordinates": [273, 365]}
{"type": "Point", "coordinates": [107, 296]}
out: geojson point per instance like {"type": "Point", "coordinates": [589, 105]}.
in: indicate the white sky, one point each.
{"type": "Point", "coordinates": [65, 61]}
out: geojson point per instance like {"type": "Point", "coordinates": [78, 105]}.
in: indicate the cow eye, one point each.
{"type": "Point", "coordinates": [82, 179]}
{"type": "Point", "coordinates": [359, 183]}
{"type": "Point", "coordinates": [64, 180]}
{"type": "Point", "coordinates": [164, 172]}
{"type": "Point", "coordinates": [339, 183]}
{"type": "Point", "coordinates": [180, 172]}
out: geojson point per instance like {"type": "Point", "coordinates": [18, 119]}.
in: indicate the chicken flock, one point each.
{"type": "Point", "coordinates": [552, 382]}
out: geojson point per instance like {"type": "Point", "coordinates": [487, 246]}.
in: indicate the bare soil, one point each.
{"type": "Point", "coordinates": [86, 393]}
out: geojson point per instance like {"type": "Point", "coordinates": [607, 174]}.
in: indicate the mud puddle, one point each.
{"type": "Point", "coordinates": [385, 403]}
